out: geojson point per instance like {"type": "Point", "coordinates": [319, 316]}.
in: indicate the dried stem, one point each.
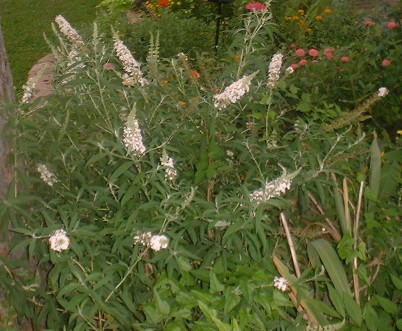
{"type": "Point", "coordinates": [291, 245]}
{"type": "Point", "coordinates": [333, 230]}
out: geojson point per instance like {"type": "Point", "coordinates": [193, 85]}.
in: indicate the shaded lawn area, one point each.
{"type": "Point", "coordinates": [24, 23]}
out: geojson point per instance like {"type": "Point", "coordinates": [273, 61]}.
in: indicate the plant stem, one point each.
{"type": "Point", "coordinates": [127, 273]}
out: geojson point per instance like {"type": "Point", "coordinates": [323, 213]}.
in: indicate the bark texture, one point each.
{"type": "Point", "coordinates": [6, 95]}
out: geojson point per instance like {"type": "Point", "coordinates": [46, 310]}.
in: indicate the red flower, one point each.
{"type": "Point", "coordinates": [163, 3]}
{"type": "Point", "coordinates": [368, 22]}
{"type": "Point", "coordinates": [256, 6]}
{"type": "Point", "coordinates": [386, 62]}
{"type": "Point", "coordinates": [300, 52]}
{"type": "Point", "coordinates": [345, 59]}
{"type": "Point", "coordinates": [392, 25]}
{"type": "Point", "coordinates": [303, 62]}
{"type": "Point", "coordinates": [108, 66]}
{"type": "Point", "coordinates": [313, 52]}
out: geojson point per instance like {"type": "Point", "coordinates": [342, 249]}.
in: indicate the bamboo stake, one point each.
{"type": "Point", "coordinates": [291, 245]}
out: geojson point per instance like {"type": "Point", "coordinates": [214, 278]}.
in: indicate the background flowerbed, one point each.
{"type": "Point", "coordinates": [173, 188]}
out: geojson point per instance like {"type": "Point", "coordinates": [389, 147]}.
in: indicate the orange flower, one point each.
{"type": "Point", "coordinates": [182, 104]}
{"type": "Point", "coordinates": [309, 30]}
{"type": "Point", "coordinates": [163, 3]}
{"type": "Point", "coordinates": [295, 18]}
{"type": "Point", "coordinates": [288, 18]}
{"type": "Point", "coordinates": [194, 74]}
{"type": "Point", "coordinates": [318, 18]}
{"type": "Point", "coordinates": [301, 11]}
{"type": "Point", "coordinates": [327, 10]}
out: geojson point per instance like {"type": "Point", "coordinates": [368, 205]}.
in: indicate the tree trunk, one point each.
{"type": "Point", "coordinates": [6, 95]}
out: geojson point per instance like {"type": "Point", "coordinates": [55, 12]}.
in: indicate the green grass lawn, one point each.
{"type": "Point", "coordinates": [24, 23]}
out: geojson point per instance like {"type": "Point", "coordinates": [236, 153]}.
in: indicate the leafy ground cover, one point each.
{"type": "Point", "coordinates": [171, 188]}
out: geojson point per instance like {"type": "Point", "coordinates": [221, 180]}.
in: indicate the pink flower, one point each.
{"type": "Point", "coordinates": [300, 52]}
{"type": "Point", "coordinates": [294, 66]}
{"type": "Point", "coordinates": [303, 62]}
{"type": "Point", "coordinates": [392, 25]}
{"type": "Point", "coordinates": [108, 66]}
{"type": "Point", "coordinates": [256, 6]}
{"type": "Point", "coordinates": [345, 59]}
{"type": "Point", "coordinates": [368, 22]}
{"type": "Point", "coordinates": [313, 52]}
{"type": "Point", "coordinates": [329, 50]}
{"type": "Point", "coordinates": [329, 56]}
{"type": "Point", "coordinates": [293, 46]}
{"type": "Point", "coordinates": [386, 63]}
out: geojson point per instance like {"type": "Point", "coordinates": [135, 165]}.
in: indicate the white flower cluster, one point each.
{"type": "Point", "coordinates": [170, 171]}
{"type": "Point", "coordinates": [133, 73]}
{"type": "Point", "coordinates": [59, 241]}
{"type": "Point", "coordinates": [281, 283]}
{"type": "Point", "coordinates": [274, 70]}
{"type": "Point", "coordinates": [69, 31]}
{"type": "Point", "coordinates": [132, 137]}
{"type": "Point", "coordinates": [271, 190]}
{"type": "Point", "coordinates": [382, 92]}
{"type": "Point", "coordinates": [46, 175]}
{"type": "Point", "coordinates": [28, 89]}
{"type": "Point", "coordinates": [233, 92]}
{"type": "Point", "coordinates": [155, 242]}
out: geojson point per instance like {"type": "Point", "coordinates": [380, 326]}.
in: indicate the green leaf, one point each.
{"type": "Point", "coordinates": [235, 325]}
{"type": "Point", "coordinates": [353, 309]}
{"type": "Point", "coordinates": [162, 305]}
{"type": "Point", "coordinates": [371, 318]}
{"type": "Point", "coordinates": [215, 285]}
{"type": "Point", "coordinates": [375, 167]}
{"type": "Point", "coordinates": [129, 194]}
{"type": "Point", "coordinates": [120, 170]}
{"type": "Point", "coordinates": [399, 324]}
{"type": "Point", "coordinates": [389, 306]}
{"type": "Point", "coordinates": [397, 282]}
{"type": "Point", "coordinates": [333, 265]}
{"type": "Point", "coordinates": [340, 210]}
{"type": "Point", "coordinates": [336, 300]}
{"type": "Point", "coordinates": [231, 299]}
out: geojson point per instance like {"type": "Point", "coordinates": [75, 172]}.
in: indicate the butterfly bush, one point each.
{"type": "Point", "coordinates": [272, 189]}
{"type": "Point", "coordinates": [132, 137]}
{"type": "Point", "coordinates": [281, 283]}
{"type": "Point", "coordinates": [274, 70]}
{"type": "Point", "coordinates": [168, 163]}
{"type": "Point", "coordinates": [28, 89]}
{"type": "Point", "coordinates": [69, 31]}
{"type": "Point", "coordinates": [59, 241]}
{"type": "Point", "coordinates": [202, 236]}
{"type": "Point", "coordinates": [133, 74]}
{"type": "Point", "coordinates": [154, 241]}
{"type": "Point", "coordinates": [233, 92]}
{"type": "Point", "coordinates": [46, 175]}
{"type": "Point", "coordinates": [382, 92]}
